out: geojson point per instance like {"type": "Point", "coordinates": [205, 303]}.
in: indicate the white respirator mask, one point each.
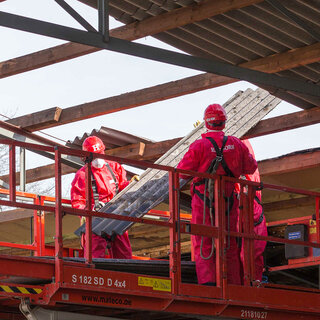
{"type": "Point", "coordinates": [98, 163]}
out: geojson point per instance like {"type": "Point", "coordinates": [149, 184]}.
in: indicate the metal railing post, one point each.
{"type": "Point", "coordinates": [58, 218]}
{"type": "Point", "coordinates": [244, 205]}
{"type": "Point", "coordinates": [175, 249]}
{"type": "Point", "coordinates": [12, 172]}
{"type": "Point", "coordinates": [88, 234]}
{"type": "Point", "coordinates": [219, 242]}
{"type": "Point", "coordinates": [318, 218]}
{"type": "Point", "coordinates": [251, 194]}
{"type": "Point", "coordinates": [36, 227]}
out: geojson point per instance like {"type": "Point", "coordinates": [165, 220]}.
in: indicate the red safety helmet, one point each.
{"type": "Point", "coordinates": [93, 144]}
{"type": "Point", "coordinates": [215, 117]}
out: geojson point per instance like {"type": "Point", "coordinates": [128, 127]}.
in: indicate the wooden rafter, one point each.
{"type": "Point", "coordinates": [287, 60]}
{"type": "Point", "coordinates": [135, 99]}
{"type": "Point", "coordinates": [288, 204]}
{"type": "Point", "coordinates": [141, 151]}
{"type": "Point", "coordinates": [285, 122]}
{"type": "Point", "coordinates": [35, 121]}
{"type": "Point", "coordinates": [290, 163]}
{"type": "Point", "coordinates": [133, 31]}
{"type": "Point", "coordinates": [132, 99]}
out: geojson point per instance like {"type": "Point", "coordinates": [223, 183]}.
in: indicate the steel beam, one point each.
{"type": "Point", "coordinates": [161, 55]}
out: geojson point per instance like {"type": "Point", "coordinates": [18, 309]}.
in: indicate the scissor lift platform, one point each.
{"type": "Point", "coordinates": [101, 289]}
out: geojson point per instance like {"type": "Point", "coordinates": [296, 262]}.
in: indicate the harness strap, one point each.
{"type": "Point", "coordinates": [214, 165]}
{"type": "Point", "coordinates": [260, 219]}
{"type": "Point", "coordinates": [219, 153]}
{"type": "Point", "coordinates": [256, 198]}
{"type": "Point", "coordinates": [113, 177]}
{"type": "Point", "coordinates": [95, 188]}
{"type": "Point", "coordinates": [95, 191]}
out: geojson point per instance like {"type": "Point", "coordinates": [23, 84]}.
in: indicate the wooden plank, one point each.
{"type": "Point", "coordinates": [141, 151]}
{"type": "Point", "coordinates": [286, 60]}
{"type": "Point", "coordinates": [290, 163]}
{"type": "Point", "coordinates": [15, 214]}
{"type": "Point", "coordinates": [286, 122]}
{"type": "Point", "coordinates": [134, 99]}
{"type": "Point", "coordinates": [36, 121]}
{"type": "Point", "coordinates": [288, 204]}
{"type": "Point", "coordinates": [134, 151]}
{"type": "Point", "coordinates": [133, 31]}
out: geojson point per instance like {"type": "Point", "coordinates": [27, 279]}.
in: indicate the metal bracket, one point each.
{"type": "Point", "coordinates": [25, 309]}
{"type": "Point", "coordinates": [39, 313]}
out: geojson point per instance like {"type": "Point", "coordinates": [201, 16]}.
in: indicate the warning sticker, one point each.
{"type": "Point", "coordinates": [312, 227]}
{"type": "Point", "coordinates": [155, 284]}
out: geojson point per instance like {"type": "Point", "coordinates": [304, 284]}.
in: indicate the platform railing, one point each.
{"type": "Point", "coordinates": [176, 226]}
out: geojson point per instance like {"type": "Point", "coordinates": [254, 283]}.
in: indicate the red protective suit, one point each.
{"type": "Point", "coordinates": [198, 158]}
{"type": "Point", "coordinates": [259, 228]}
{"type": "Point", "coordinates": [106, 188]}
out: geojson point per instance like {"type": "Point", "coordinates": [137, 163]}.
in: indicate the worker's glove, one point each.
{"type": "Point", "coordinates": [135, 178]}
{"type": "Point", "coordinates": [99, 205]}
{"type": "Point", "coordinates": [197, 124]}
{"type": "Point", "coordinates": [82, 221]}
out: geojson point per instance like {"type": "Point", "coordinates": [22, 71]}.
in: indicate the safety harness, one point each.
{"type": "Point", "coordinates": [219, 159]}
{"type": "Point", "coordinates": [209, 184]}
{"type": "Point", "coordinates": [97, 204]}
{"type": "Point", "coordinates": [256, 198]}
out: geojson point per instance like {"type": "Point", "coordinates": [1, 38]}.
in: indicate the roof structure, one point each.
{"type": "Point", "coordinates": [243, 34]}
{"type": "Point", "coordinates": [270, 43]}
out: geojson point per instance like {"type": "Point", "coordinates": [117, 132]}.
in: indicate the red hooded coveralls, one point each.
{"type": "Point", "coordinates": [260, 227]}
{"type": "Point", "coordinates": [198, 158]}
{"type": "Point", "coordinates": [106, 188]}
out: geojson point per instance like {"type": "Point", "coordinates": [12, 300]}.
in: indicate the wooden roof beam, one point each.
{"type": "Point", "coordinates": [288, 204]}
{"type": "Point", "coordinates": [133, 31]}
{"type": "Point", "coordinates": [38, 120]}
{"type": "Point", "coordinates": [287, 60]}
{"type": "Point", "coordinates": [128, 100]}
{"type": "Point", "coordinates": [286, 122]}
{"type": "Point", "coordinates": [290, 163]}
{"type": "Point", "coordinates": [141, 151]}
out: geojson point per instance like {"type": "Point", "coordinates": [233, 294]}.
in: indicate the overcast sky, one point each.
{"type": "Point", "coordinates": [105, 74]}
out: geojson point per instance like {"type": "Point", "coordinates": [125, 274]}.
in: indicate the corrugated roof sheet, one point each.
{"type": "Point", "coordinates": [111, 138]}
{"type": "Point", "coordinates": [237, 36]}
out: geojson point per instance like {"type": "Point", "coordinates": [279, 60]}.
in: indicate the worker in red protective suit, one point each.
{"type": "Point", "coordinates": [108, 178]}
{"type": "Point", "coordinates": [260, 227]}
{"type": "Point", "coordinates": [235, 160]}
